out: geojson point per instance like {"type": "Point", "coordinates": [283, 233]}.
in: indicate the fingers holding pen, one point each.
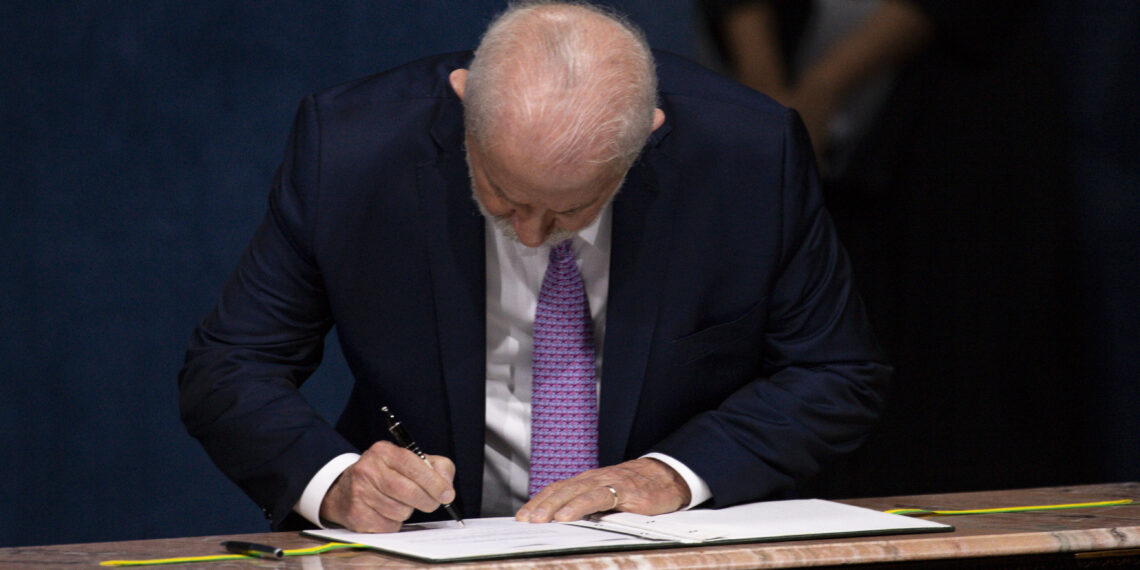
{"type": "Point", "coordinates": [441, 486]}
{"type": "Point", "coordinates": [355, 502]}
{"type": "Point", "coordinates": [383, 488]}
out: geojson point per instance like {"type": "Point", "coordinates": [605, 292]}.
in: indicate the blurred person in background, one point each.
{"type": "Point", "coordinates": [940, 129]}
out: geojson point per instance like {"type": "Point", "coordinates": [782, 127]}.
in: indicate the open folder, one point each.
{"type": "Point", "coordinates": [503, 537]}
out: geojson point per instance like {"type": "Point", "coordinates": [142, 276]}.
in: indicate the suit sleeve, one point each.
{"type": "Point", "coordinates": [246, 360]}
{"type": "Point", "coordinates": [825, 378]}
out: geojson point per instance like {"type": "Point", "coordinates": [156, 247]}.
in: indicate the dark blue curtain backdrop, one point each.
{"type": "Point", "coordinates": [137, 144]}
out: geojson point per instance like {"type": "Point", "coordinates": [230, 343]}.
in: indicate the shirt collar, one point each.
{"type": "Point", "coordinates": [597, 234]}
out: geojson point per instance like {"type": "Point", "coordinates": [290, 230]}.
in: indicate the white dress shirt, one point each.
{"type": "Point", "coordinates": [514, 277]}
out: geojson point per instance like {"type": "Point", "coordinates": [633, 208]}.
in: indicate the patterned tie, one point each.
{"type": "Point", "coordinates": [564, 405]}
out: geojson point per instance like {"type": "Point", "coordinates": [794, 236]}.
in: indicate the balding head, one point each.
{"type": "Point", "coordinates": [558, 103]}
{"type": "Point", "coordinates": [571, 84]}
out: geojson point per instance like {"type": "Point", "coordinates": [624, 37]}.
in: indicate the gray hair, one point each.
{"type": "Point", "coordinates": [572, 88]}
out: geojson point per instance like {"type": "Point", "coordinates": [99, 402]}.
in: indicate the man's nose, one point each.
{"type": "Point", "coordinates": [532, 229]}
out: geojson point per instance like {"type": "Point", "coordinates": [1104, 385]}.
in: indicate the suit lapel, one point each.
{"type": "Point", "coordinates": [456, 253]}
{"type": "Point", "coordinates": [637, 267]}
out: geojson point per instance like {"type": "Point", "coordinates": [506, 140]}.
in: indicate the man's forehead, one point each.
{"type": "Point", "coordinates": [520, 179]}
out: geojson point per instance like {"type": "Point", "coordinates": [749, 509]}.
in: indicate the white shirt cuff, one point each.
{"type": "Point", "coordinates": [698, 489]}
{"type": "Point", "coordinates": [310, 504]}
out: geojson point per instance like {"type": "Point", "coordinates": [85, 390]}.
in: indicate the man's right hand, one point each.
{"type": "Point", "coordinates": [380, 491]}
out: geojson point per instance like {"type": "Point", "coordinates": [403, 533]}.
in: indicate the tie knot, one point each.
{"type": "Point", "coordinates": [562, 252]}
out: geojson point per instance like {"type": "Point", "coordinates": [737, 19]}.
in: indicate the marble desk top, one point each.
{"type": "Point", "coordinates": [1086, 530]}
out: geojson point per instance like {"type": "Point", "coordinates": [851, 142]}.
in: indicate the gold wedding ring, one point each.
{"type": "Point", "coordinates": [614, 491]}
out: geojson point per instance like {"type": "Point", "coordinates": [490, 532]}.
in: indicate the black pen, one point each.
{"type": "Point", "coordinates": [253, 549]}
{"type": "Point", "coordinates": [404, 440]}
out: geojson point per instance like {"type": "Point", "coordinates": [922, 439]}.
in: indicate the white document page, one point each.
{"type": "Point", "coordinates": [771, 520]}
{"type": "Point", "coordinates": [505, 537]}
{"type": "Point", "coordinates": [484, 538]}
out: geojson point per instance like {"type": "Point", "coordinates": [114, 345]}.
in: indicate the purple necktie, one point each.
{"type": "Point", "coordinates": [564, 404]}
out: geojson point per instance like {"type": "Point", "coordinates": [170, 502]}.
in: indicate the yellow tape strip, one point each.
{"type": "Point", "coordinates": [218, 557]}
{"type": "Point", "coordinates": [159, 561]}
{"type": "Point", "coordinates": [925, 512]}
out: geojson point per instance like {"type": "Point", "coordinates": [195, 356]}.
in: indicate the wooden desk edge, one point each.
{"type": "Point", "coordinates": [944, 547]}
{"type": "Point", "coordinates": [1105, 530]}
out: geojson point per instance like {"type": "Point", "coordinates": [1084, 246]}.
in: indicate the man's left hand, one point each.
{"type": "Point", "coordinates": [644, 486]}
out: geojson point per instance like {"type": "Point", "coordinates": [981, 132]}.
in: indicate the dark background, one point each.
{"type": "Point", "coordinates": [136, 148]}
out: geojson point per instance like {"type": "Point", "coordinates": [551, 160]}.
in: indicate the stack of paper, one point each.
{"type": "Point", "coordinates": [756, 522]}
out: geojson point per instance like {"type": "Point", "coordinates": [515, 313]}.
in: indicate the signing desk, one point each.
{"type": "Point", "coordinates": [1073, 538]}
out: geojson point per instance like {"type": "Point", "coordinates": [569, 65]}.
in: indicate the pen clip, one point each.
{"type": "Point", "coordinates": [396, 428]}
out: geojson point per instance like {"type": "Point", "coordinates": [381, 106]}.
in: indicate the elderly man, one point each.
{"type": "Point", "coordinates": [653, 311]}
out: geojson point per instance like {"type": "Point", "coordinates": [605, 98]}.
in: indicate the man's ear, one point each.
{"type": "Point", "coordinates": [658, 116]}
{"type": "Point", "coordinates": [458, 79]}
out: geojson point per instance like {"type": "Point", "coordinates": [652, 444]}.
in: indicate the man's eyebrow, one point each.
{"type": "Point", "coordinates": [499, 191]}
{"type": "Point", "coordinates": [569, 211]}
{"type": "Point", "coordinates": [575, 209]}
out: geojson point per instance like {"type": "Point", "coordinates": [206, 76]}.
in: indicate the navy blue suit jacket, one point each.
{"type": "Point", "coordinates": [734, 340]}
